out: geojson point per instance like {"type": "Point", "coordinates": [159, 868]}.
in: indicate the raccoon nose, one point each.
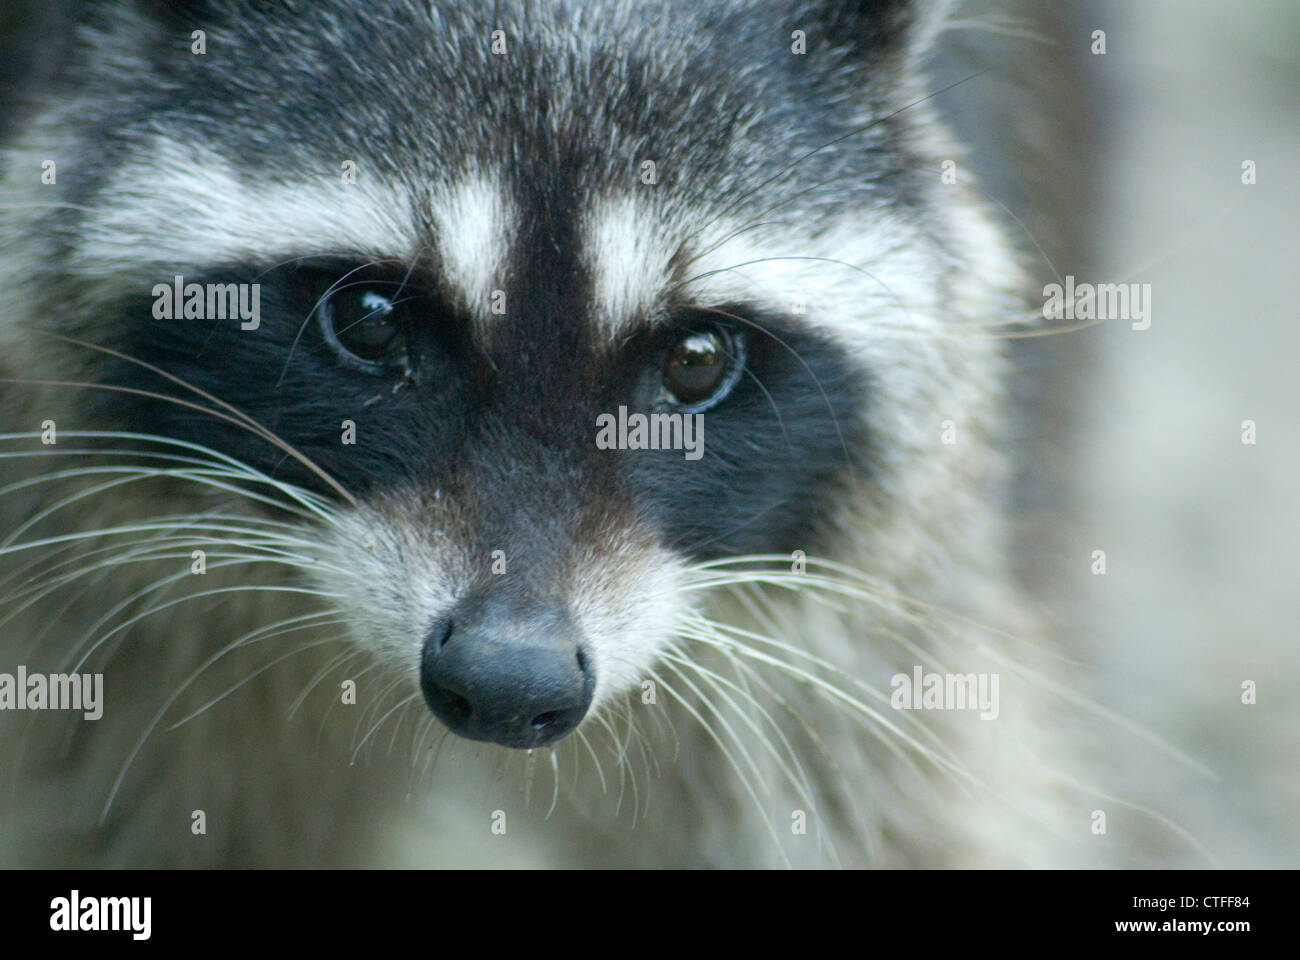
{"type": "Point", "coordinates": [508, 673]}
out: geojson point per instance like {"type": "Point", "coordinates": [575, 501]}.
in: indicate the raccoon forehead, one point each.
{"type": "Point", "coordinates": [179, 205]}
{"type": "Point", "coordinates": [183, 204]}
{"type": "Point", "coordinates": [859, 274]}
{"type": "Point", "coordinates": [644, 247]}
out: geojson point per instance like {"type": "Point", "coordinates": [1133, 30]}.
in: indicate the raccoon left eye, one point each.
{"type": "Point", "coordinates": [364, 327]}
{"type": "Point", "coordinates": [702, 366]}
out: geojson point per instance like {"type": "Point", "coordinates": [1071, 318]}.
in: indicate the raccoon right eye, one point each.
{"type": "Point", "coordinates": [365, 327]}
{"type": "Point", "coordinates": [702, 366]}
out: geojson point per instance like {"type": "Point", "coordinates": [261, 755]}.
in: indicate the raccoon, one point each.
{"type": "Point", "coordinates": [352, 355]}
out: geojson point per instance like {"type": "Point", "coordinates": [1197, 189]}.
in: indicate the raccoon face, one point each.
{"type": "Point", "coordinates": [538, 318]}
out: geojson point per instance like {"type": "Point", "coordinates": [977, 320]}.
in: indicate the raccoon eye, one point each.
{"type": "Point", "coordinates": [364, 326]}
{"type": "Point", "coordinates": [702, 366]}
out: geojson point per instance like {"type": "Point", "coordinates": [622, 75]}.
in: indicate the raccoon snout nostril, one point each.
{"type": "Point", "coordinates": [543, 720]}
{"type": "Point", "coordinates": [510, 673]}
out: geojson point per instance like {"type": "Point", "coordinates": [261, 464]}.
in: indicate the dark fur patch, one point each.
{"type": "Point", "coordinates": [512, 431]}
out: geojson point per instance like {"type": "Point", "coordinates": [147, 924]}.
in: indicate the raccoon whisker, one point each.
{"type": "Point", "coordinates": [397, 727]}
{"type": "Point", "coordinates": [419, 772]}
{"type": "Point", "coordinates": [911, 329]}
{"type": "Point", "coordinates": [749, 263]}
{"type": "Point", "coordinates": [757, 220]}
{"type": "Point", "coordinates": [744, 673]}
{"type": "Point", "coordinates": [1097, 709]}
{"type": "Point", "coordinates": [798, 778]}
{"type": "Point", "coordinates": [731, 760]}
{"type": "Point", "coordinates": [332, 665]}
{"type": "Point", "coordinates": [642, 808]}
{"type": "Point", "coordinates": [392, 740]}
{"type": "Point", "coordinates": [246, 588]}
{"type": "Point", "coordinates": [633, 730]}
{"type": "Point", "coordinates": [878, 591]}
{"type": "Point", "coordinates": [839, 434]}
{"type": "Point", "coordinates": [677, 665]}
{"type": "Point", "coordinates": [339, 254]}
{"type": "Point", "coordinates": [40, 594]}
{"type": "Point", "coordinates": [1004, 26]}
{"type": "Point", "coordinates": [555, 780]}
{"type": "Point", "coordinates": [434, 755]}
{"type": "Point", "coordinates": [262, 669]}
{"type": "Point", "coordinates": [207, 475]}
{"type": "Point", "coordinates": [814, 583]}
{"type": "Point", "coordinates": [746, 194]}
{"type": "Point", "coordinates": [756, 223]}
{"type": "Point", "coordinates": [372, 708]}
{"type": "Point", "coordinates": [841, 696]}
{"type": "Point", "coordinates": [236, 416]}
{"type": "Point", "coordinates": [645, 765]}
{"type": "Point", "coordinates": [727, 634]}
{"type": "Point", "coordinates": [355, 678]}
{"type": "Point", "coordinates": [203, 478]}
{"type": "Point", "coordinates": [969, 182]}
{"type": "Point", "coordinates": [42, 570]}
{"type": "Point", "coordinates": [42, 583]}
{"type": "Point", "coordinates": [184, 403]}
{"type": "Point", "coordinates": [28, 454]}
{"type": "Point", "coordinates": [1183, 241]}
{"type": "Point", "coordinates": [603, 720]}
{"type": "Point", "coordinates": [395, 303]}
{"type": "Point", "coordinates": [626, 741]}
{"type": "Point", "coordinates": [719, 685]}
{"type": "Point", "coordinates": [600, 772]}
{"type": "Point", "coordinates": [625, 771]}
{"type": "Point", "coordinates": [380, 722]}
{"type": "Point", "coordinates": [164, 523]}
{"type": "Point", "coordinates": [318, 506]}
{"type": "Point", "coordinates": [1155, 815]}
{"type": "Point", "coordinates": [117, 783]}
{"type": "Point", "coordinates": [425, 728]}
{"type": "Point", "coordinates": [121, 635]}
{"type": "Point", "coordinates": [43, 588]}
{"type": "Point", "coordinates": [798, 581]}
{"type": "Point", "coordinates": [661, 718]}
{"type": "Point", "coordinates": [1033, 334]}
{"type": "Point", "coordinates": [618, 765]}
{"type": "Point", "coordinates": [1034, 320]}
{"type": "Point", "coordinates": [809, 730]}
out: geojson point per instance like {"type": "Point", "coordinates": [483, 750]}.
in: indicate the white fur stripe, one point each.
{"type": "Point", "coordinates": [474, 222]}
{"type": "Point", "coordinates": [188, 205]}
